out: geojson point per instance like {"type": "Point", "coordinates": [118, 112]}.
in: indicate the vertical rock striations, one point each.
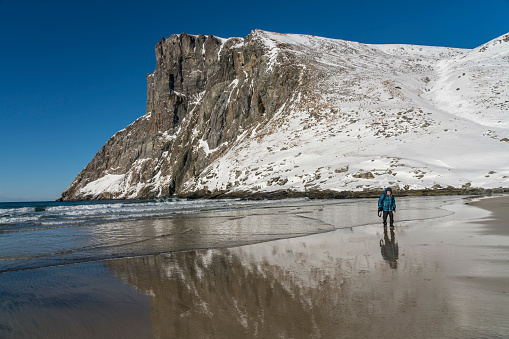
{"type": "Point", "coordinates": [204, 92]}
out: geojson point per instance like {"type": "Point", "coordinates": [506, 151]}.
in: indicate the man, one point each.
{"type": "Point", "coordinates": [387, 204]}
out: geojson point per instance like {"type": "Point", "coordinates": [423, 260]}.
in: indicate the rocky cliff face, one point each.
{"type": "Point", "coordinates": [204, 93]}
{"type": "Point", "coordinates": [279, 112]}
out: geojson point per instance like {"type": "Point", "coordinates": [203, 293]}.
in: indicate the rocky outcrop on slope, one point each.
{"type": "Point", "coordinates": [204, 92]}
{"type": "Point", "coordinates": [284, 115]}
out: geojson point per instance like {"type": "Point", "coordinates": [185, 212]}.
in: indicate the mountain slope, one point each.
{"type": "Point", "coordinates": [295, 113]}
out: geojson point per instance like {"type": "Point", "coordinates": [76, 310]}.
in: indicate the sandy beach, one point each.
{"type": "Point", "coordinates": [442, 272]}
{"type": "Point", "coordinates": [498, 221]}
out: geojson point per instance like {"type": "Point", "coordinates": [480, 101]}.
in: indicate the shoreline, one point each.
{"type": "Point", "coordinates": [442, 276]}
{"type": "Point", "coordinates": [498, 222]}
{"type": "Point", "coordinates": [331, 194]}
{"type": "Point", "coordinates": [311, 194]}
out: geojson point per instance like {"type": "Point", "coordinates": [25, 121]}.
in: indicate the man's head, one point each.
{"type": "Point", "coordinates": [388, 191]}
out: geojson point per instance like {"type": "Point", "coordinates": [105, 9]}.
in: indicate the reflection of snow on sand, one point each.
{"type": "Point", "coordinates": [448, 282]}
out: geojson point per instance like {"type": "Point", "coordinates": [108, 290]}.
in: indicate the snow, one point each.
{"type": "Point", "coordinates": [108, 183]}
{"type": "Point", "coordinates": [406, 116]}
{"type": "Point", "coordinates": [233, 86]}
{"type": "Point", "coordinates": [205, 146]}
{"type": "Point", "coordinates": [390, 121]}
{"type": "Point", "coordinates": [240, 42]}
{"type": "Point", "coordinates": [178, 93]}
{"type": "Point", "coordinates": [197, 98]}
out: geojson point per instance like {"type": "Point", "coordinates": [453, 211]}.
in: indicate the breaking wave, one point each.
{"type": "Point", "coordinates": [19, 217]}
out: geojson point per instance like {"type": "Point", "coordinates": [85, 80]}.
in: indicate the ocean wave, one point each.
{"type": "Point", "coordinates": [18, 217]}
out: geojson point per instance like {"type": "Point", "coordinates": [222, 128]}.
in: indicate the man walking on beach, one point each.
{"type": "Point", "coordinates": [387, 205]}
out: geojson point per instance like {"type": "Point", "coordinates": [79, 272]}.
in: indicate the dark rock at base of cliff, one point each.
{"type": "Point", "coordinates": [330, 194]}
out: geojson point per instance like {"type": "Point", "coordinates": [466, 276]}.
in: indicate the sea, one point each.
{"type": "Point", "coordinates": [44, 234]}
{"type": "Point", "coordinates": [36, 216]}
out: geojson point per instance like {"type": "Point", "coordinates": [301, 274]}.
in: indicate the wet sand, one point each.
{"type": "Point", "coordinates": [498, 221]}
{"type": "Point", "coordinates": [446, 277]}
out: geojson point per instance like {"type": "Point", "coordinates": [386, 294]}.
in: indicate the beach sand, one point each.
{"type": "Point", "coordinates": [444, 277]}
{"type": "Point", "coordinates": [498, 221]}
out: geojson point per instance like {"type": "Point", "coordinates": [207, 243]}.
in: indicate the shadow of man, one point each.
{"type": "Point", "coordinates": [390, 249]}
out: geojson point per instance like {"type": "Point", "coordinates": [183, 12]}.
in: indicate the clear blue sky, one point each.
{"type": "Point", "coordinates": [72, 73]}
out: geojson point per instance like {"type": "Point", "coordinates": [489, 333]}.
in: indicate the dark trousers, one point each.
{"type": "Point", "coordinates": [391, 217]}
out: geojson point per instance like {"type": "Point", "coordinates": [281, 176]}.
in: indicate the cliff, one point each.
{"type": "Point", "coordinates": [292, 113]}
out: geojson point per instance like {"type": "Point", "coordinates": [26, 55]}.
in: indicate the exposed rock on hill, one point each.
{"type": "Point", "coordinates": [292, 113]}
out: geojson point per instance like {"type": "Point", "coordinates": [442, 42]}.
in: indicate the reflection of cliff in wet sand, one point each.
{"type": "Point", "coordinates": [212, 293]}
{"type": "Point", "coordinates": [333, 285]}
{"type": "Point", "coordinates": [232, 294]}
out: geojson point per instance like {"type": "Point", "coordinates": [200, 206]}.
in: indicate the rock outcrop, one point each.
{"type": "Point", "coordinates": [289, 113]}
{"type": "Point", "coordinates": [205, 91]}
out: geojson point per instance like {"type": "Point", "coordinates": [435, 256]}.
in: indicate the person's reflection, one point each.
{"type": "Point", "coordinates": [389, 248]}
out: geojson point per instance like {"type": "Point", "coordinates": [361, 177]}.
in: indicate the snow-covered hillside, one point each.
{"type": "Point", "coordinates": [412, 117]}
{"type": "Point", "coordinates": [295, 113]}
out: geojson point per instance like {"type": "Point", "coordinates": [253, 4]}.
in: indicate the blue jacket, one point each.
{"type": "Point", "coordinates": [387, 202]}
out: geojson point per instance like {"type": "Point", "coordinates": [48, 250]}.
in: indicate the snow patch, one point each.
{"type": "Point", "coordinates": [108, 183]}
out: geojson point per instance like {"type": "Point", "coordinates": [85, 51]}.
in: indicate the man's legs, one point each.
{"type": "Point", "coordinates": [391, 218]}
